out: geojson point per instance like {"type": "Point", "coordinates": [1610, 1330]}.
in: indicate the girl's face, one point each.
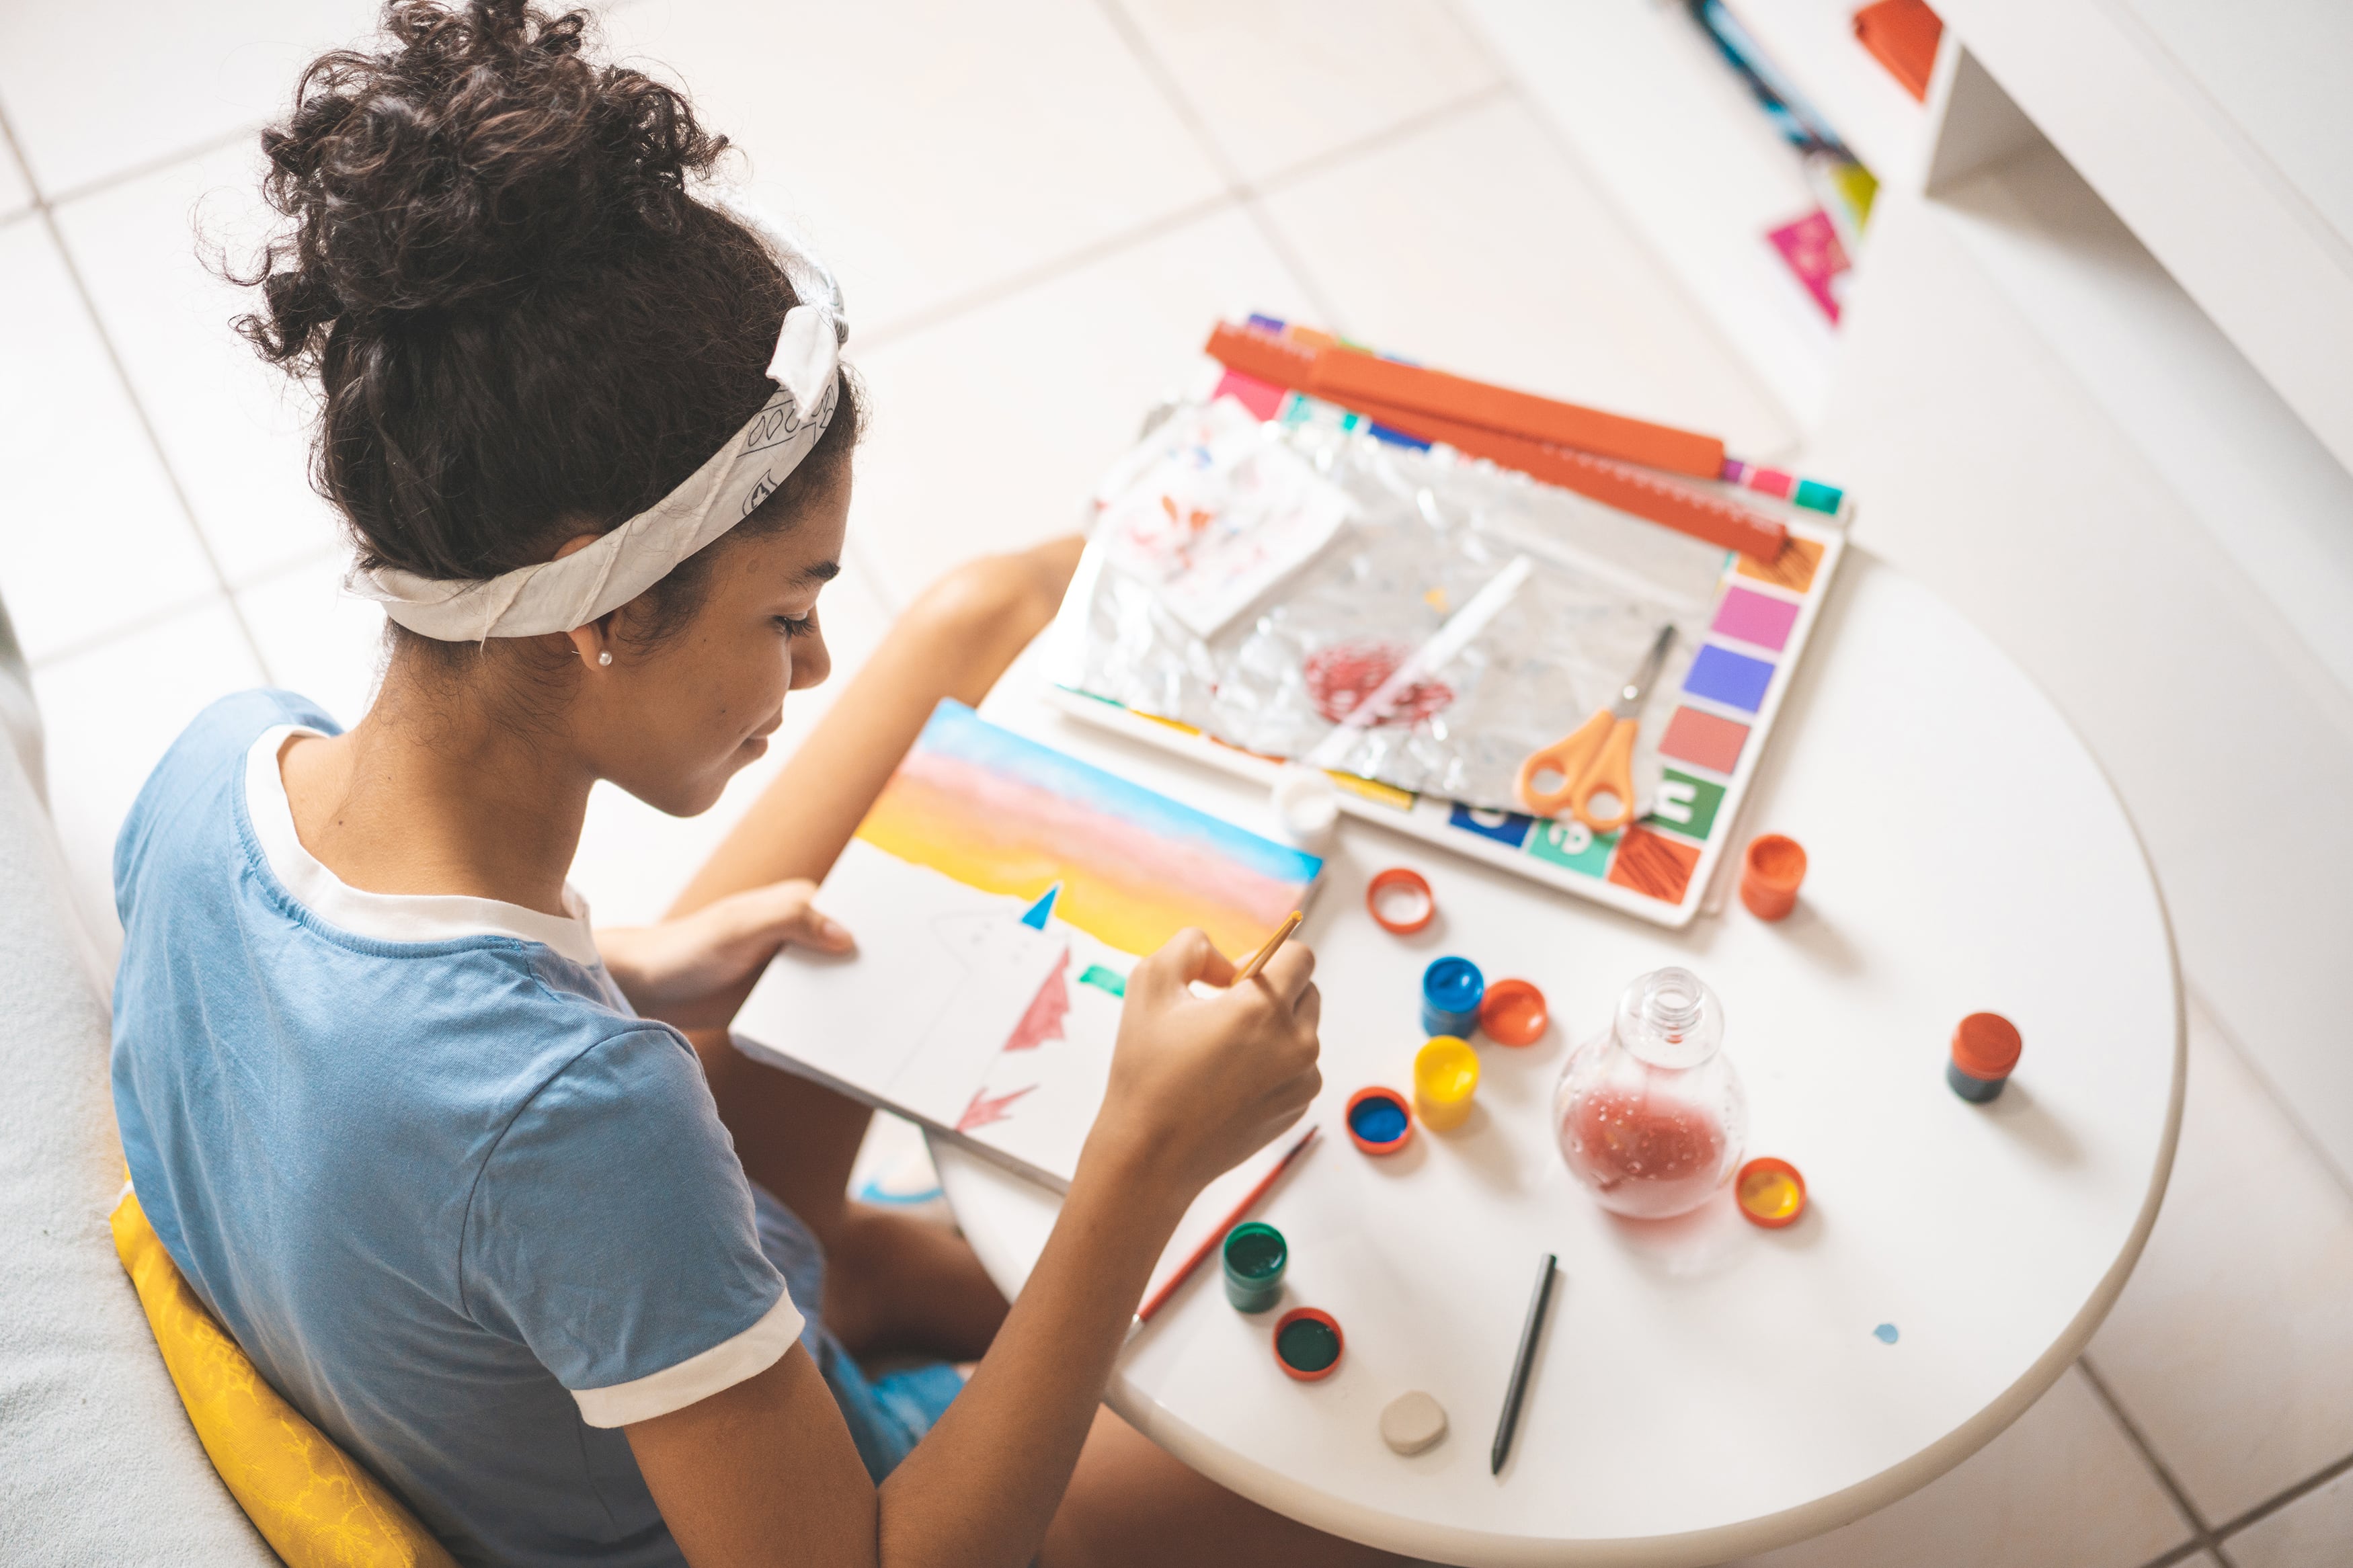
{"type": "Point", "coordinates": [671, 723]}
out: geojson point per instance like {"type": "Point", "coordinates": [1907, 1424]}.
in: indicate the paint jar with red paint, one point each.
{"type": "Point", "coordinates": [1651, 1115]}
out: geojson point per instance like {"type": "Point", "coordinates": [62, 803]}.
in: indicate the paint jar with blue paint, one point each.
{"type": "Point", "coordinates": [1450, 989]}
{"type": "Point", "coordinates": [1256, 1256]}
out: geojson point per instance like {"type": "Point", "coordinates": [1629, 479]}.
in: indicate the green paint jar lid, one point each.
{"type": "Point", "coordinates": [1308, 1343]}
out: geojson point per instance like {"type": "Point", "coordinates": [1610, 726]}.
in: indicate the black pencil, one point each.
{"type": "Point", "coordinates": [1521, 1364]}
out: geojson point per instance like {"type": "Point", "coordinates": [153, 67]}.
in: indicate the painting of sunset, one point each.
{"type": "Point", "coordinates": [1007, 816]}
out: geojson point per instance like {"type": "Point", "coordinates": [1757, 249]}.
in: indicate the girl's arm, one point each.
{"type": "Point", "coordinates": [764, 1472]}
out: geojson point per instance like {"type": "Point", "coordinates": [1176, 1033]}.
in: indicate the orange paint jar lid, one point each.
{"type": "Point", "coordinates": [1770, 1192]}
{"type": "Point", "coordinates": [1512, 1013]}
{"type": "Point", "coordinates": [1986, 1045]}
{"type": "Point", "coordinates": [1400, 901]}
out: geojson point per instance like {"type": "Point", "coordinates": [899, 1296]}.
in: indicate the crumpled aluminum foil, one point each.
{"type": "Point", "coordinates": [1429, 529]}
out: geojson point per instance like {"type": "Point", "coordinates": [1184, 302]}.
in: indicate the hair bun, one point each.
{"type": "Point", "coordinates": [481, 154]}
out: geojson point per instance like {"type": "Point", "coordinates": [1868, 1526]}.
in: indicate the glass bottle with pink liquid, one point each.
{"type": "Point", "coordinates": [1650, 1114]}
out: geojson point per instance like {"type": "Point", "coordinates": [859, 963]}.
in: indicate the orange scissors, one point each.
{"type": "Point", "coordinates": [1599, 759]}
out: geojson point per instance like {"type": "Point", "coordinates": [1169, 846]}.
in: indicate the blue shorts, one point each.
{"type": "Point", "coordinates": [887, 1415]}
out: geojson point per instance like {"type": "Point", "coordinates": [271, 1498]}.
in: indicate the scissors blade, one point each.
{"type": "Point", "coordinates": [1631, 695]}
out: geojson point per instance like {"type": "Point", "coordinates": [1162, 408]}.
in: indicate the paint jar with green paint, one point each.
{"type": "Point", "coordinates": [1256, 1256]}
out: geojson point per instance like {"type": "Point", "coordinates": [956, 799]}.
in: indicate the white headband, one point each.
{"type": "Point", "coordinates": [557, 596]}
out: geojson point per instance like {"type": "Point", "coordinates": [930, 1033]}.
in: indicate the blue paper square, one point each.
{"type": "Point", "coordinates": [1732, 678]}
{"type": "Point", "coordinates": [1503, 827]}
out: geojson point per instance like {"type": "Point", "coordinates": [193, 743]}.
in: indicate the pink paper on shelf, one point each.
{"type": "Point", "coordinates": [1810, 246]}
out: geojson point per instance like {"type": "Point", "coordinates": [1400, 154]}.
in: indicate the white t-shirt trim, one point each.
{"type": "Point", "coordinates": [698, 1377]}
{"type": "Point", "coordinates": [390, 917]}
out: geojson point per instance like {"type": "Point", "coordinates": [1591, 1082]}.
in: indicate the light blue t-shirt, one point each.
{"type": "Point", "coordinates": [463, 1207]}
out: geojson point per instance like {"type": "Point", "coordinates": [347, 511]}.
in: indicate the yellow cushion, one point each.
{"type": "Point", "coordinates": [313, 1505]}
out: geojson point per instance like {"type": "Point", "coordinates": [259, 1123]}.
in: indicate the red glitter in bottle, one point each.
{"type": "Point", "coordinates": [1658, 1155]}
{"type": "Point", "coordinates": [1651, 1115]}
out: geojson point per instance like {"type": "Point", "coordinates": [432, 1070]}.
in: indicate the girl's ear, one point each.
{"type": "Point", "coordinates": [593, 642]}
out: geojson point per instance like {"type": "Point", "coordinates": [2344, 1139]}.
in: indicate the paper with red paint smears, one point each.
{"type": "Point", "coordinates": [1212, 513]}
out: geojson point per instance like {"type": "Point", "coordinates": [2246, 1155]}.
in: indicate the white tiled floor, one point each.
{"type": "Point", "coordinates": [1037, 208]}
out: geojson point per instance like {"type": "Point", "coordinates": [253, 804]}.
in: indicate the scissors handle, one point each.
{"type": "Point", "coordinates": [1611, 772]}
{"type": "Point", "coordinates": [1569, 757]}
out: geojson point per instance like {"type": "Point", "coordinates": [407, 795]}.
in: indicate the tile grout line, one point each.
{"type": "Point", "coordinates": [2278, 1101]}
{"type": "Point", "coordinates": [1029, 277]}
{"type": "Point", "coordinates": [2202, 1537]}
{"type": "Point", "coordinates": [1734, 356]}
{"type": "Point", "coordinates": [1241, 196]}
{"type": "Point", "coordinates": [1634, 231]}
{"type": "Point", "coordinates": [145, 167]}
{"type": "Point", "coordinates": [2302, 1488]}
{"type": "Point", "coordinates": [138, 405]}
{"type": "Point", "coordinates": [1500, 91]}
{"type": "Point", "coordinates": [1197, 125]}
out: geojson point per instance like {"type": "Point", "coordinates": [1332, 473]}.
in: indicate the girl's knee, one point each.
{"type": "Point", "coordinates": [994, 595]}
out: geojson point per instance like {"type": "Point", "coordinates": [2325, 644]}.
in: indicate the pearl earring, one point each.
{"type": "Point", "coordinates": [605, 657]}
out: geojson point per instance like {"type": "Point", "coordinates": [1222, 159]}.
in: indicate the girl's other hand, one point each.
{"type": "Point", "coordinates": [695, 970]}
{"type": "Point", "coordinates": [1199, 1083]}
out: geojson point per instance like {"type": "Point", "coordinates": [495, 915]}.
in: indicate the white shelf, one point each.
{"type": "Point", "coordinates": [2219, 136]}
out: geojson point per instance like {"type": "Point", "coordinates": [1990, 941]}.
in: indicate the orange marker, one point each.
{"type": "Point", "coordinates": [1345, 374]}
{"type": "Point", "coordinates": [1622, 485]}
{"type": "Point", "coordinates": [1286, 362]}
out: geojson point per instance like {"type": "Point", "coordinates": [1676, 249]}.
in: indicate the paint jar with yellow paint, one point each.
{"type": "Point", "coordinates": [1445, 1077]}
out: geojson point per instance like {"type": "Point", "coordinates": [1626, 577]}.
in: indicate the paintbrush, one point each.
{"type": "Point", "coordinates": [1282, 934]}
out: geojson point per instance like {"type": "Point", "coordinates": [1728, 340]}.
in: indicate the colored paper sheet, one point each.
{"type": "Point", "coordinates": [1652, 866]}
{"type": "Point", "coordinates": [1755, 618]}
{"type": "Point", "coordinates": [1503, 827]}
{"type": "Point", "coordinates": [1706, 740]}
{"type": "Point", "coordinates": [1261, 397]}
{"type": "Point", "coordinates": [1573, 844]}
{"type": "Point", "coordinates": [1732, 678]}
{"type": "Point", "coordinates": [1793, 569]}
{"type": "Point", "coordinates": [1685, 805]}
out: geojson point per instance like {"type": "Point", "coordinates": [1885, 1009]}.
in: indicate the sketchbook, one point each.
{"type": "Point", "coordinates": [1000, 891]}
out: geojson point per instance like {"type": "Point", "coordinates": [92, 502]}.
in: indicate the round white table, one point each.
{"type": "Point", "coordinates": [1706, 1388]}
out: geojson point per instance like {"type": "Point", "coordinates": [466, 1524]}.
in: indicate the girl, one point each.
{"type": "Point", "coordinates": [440, 1158]}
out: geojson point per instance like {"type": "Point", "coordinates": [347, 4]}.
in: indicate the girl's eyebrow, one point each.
{"type": "Point", "coordinates": [819, 572]}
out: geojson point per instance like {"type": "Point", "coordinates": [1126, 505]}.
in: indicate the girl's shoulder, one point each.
{"type": "Point", "coordinates": [201, 767]}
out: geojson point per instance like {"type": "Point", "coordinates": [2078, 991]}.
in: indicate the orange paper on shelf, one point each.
{"type": "Point", "coordinates": [1902, 35]}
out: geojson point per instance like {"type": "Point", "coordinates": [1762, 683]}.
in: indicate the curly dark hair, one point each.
{"type": "Point", "coordinates": [524, 324]}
